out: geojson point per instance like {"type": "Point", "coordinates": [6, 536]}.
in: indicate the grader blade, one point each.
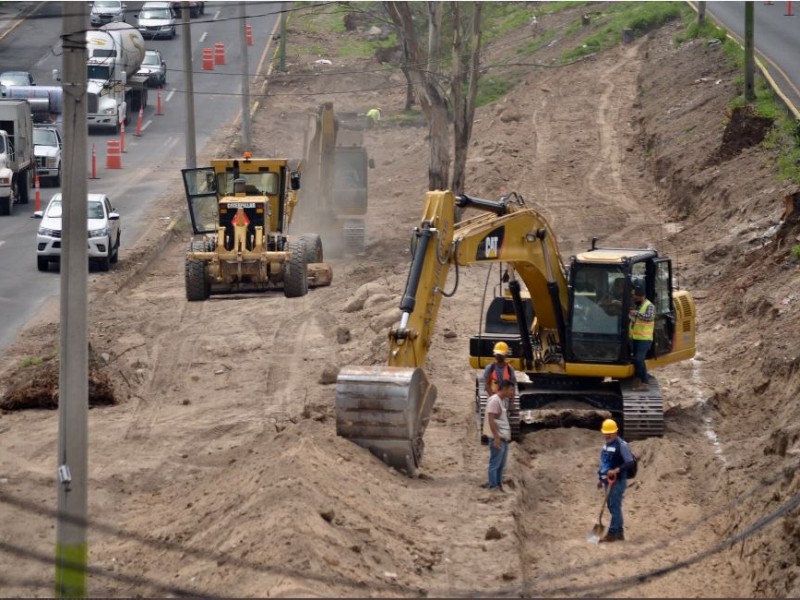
{"type": "Point", "coordinates": [386, 410]}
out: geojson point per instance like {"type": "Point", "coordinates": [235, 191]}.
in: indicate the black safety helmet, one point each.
{"type": "Point", "coordinates": [638, 287]}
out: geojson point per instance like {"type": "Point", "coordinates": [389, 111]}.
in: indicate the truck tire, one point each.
{"type": "Point", "coordinates": [196, 283]}
{"type": "Point", "coordinates": [24, 186]}
{"type": "Point", "coordinates": [115, 251]}
{"type": "Point", "coordinates": [57, 178]}
{"type": "Point", "coordinates": [295, 270]}
{"type": "Point", "coordinates": [313, 247]}
{"type": "Point", "coordinates": [104, 264]}
{"type": "Point", "coordinates": [5, 206]}
{"type": "Point", "coordinates": [42, 263]}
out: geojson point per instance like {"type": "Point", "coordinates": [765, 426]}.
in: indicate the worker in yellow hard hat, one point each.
{"type": "Point", "coordinates": [499, 370]}
{"type": "Point", "coordinates": [616, 460]}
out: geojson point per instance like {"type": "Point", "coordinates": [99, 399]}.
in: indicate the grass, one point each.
{"type": "Point", "coordinates": [32, 361]}
{"type": "Point", "coordinates": [639, 17]}
{"type": "Point", "coordinates": [796, 252]}
{"type": "Point", "coordinates": [491, 89]}
{"type": "Point", "coordinates": [707, 30]}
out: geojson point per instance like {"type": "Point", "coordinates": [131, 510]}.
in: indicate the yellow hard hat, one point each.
{"type": "Point", "coordinates": [609, 426]}
{"type": "Point", "coordinates": [501, 348]}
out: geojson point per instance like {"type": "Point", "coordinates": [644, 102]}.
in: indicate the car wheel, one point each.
{"type": "Point", "coordinates": [104, 264]}
{"type": "Point", "coordinates": [115, 254]}
{"type": "Point", "coordinates": [57, 178]}
{"type": "Point", "coordinates": [42, 263]}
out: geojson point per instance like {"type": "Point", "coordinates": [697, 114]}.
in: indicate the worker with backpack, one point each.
{"type": "Point", "coordinates": [617, 463]}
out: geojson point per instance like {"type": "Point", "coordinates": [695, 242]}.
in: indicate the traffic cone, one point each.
{"type": "Point", "coordinates": [37, 205]}
{"type": "Point", "coordinates": [208, 59]}
{"type": "Point", "coordinates": [249, 30]}
{"type": "Point", "coordinates": [158, 103]}
{"type": "Point", "coordinates": [94, 163]}
{"type": "Point", "coordinates": [139, 122]}
{"type": "Point", "coordinates": [789, 9]}
{"type": "Point", "coordinates": [122, 136]}
{"type": "Point", "coordinates": [219, 53]}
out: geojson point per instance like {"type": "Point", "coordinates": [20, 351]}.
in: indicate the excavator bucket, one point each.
{"type": "Point", "coordinates": [386, 410]}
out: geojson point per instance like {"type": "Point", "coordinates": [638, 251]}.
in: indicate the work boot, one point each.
{"type": "Point", "coordinates": [613, 537]}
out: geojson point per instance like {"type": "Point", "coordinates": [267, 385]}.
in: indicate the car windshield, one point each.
{"type": "Point", "coordinates": [14, 79]}
{"type": "Point", "coordinates": [150, 59]}
{"type": "Point", "coordinates": [95, 210]}
{"type": "Point", "coordinates": [54, 209]}
{"type": "Point", "coordinates": [44, 137]}
{"type": "Point", "coordinates": [155, 13]}
{"type": "Point", "coordinates": [107, 4]}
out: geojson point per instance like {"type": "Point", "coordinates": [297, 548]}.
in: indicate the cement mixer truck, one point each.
{"type": "Point", "coordinates": [115, 91]}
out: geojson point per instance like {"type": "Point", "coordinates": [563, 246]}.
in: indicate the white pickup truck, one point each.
{"type": "Point", "coordinates": [47, 149]}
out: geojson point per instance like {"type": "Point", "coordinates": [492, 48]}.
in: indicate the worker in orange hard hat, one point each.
{"type": "Point", "coordinates": [616, 460]}
{"type": "Point", "coordinates": [498, 371]}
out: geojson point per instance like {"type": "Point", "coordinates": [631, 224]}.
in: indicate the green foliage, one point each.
{"type": "Point", "coordinates": [639, 17]}
{"type": "Point", "coordinates": [32, 361]}
{"type": "Point", "coordinates": [707, 30]}
{"type": "Point", "coordinates": [491, 89]}
{"type": "Point", "coordinates": [796, 252]}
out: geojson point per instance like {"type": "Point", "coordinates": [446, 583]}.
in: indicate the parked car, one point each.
{"type": "Point", "coordinates": [154, 67]}
{"type": "Point", "coordinates": [195, 8]}
{"type": "Point", "coordinates": [104, 232]}
{"type": "Point", "coordinates": [47, 150]}
{"type": "Point", "coordinates": [157, 19]}
{"type": "Point", "coordinates": [107, 11]}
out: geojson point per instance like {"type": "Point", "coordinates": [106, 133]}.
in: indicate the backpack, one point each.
{"type": "Point", "coordinates": [632, 470]}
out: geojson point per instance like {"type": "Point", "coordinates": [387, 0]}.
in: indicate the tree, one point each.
{"type": "Point", "coordinates": [441, 94]}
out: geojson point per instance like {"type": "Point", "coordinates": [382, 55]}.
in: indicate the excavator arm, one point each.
{"type": "Point", "coordinates": [387, 408]}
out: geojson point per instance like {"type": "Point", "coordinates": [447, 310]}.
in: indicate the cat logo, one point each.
{"type": "Point", "coordinates": [490, 250]}
{"type": "Point", "coordinates": [490, 246]}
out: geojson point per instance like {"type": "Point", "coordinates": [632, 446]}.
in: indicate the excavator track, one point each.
{"type": "Point", "coordinates": [385, 410]}
{"type": "Point", "coordinates": [480, 411]}
{"type": "Point", "coordinates": [643, 411]}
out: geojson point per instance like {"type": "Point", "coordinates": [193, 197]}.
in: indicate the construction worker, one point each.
{"type": "Point", "coordinates": [615, 460]}
{"type": "Point", "coordinates": [373, 116]}
{"type": "Point", "coordinates": [642, 326]}
{"type": "Point", "coordinates": [498, 371]}
{"type": "Point", "coordinates": [497, 428]}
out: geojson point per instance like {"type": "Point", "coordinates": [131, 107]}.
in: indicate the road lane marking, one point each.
{"type": "Point", "coordinates": [2, 242]}
{"type": "Point", "coordinates": [146, 125]}
{"type": "Point", "coordinates": [203, 37]}
{"type": "Point", "coordinates": [216, 15]}
{"type": "Point", "coordinates": [172, 92]}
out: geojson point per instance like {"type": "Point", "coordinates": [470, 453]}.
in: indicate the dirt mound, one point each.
{"type": "Point", "coordinates": [745, 129]}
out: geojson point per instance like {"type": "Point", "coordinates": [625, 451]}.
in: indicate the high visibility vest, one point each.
{"type": "Point", "coordinates": [642, 330]}
{"type": "Point", "coordinates": [494, 380]}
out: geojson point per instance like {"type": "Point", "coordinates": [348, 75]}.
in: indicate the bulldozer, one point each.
{"type": "Point", "coordinates": [242, 208]}
{"type": "Point", "coordinates": [564, 345]}
{"type": "Point", "coordinates": [335, 175]}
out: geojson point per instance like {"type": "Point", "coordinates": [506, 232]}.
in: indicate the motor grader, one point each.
{"type": "Point", "coordinates": [565, 346]}
{"type": "Point", "coordinates": [242, 208]}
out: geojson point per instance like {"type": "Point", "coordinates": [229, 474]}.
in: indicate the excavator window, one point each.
{"type": "Point", "coordinates": [595, 334]}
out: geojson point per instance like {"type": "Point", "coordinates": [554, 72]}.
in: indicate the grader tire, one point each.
{"type": "Point", "coordinates": [295, 270]}
{"type": "Point", "coordinates": [313, 248]}
{"type": "Point", "coordinates": [196, 284]}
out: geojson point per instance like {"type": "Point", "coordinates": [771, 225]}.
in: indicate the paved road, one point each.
{"type": "Point", "coordinates": [776, 37]}
{"type": "Point", "coordinates": [151, 163]}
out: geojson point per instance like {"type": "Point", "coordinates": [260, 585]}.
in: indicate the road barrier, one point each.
{"type": "Point", "coordinates": [158, 103]}
{"type": "Point", "coordinates": [219, 53]}
{"type": "Point", "coordinates": [208, 59]}
{"type": "Point", "coordinates": [122, 136]}
{"type": "Point", "coordinates": [249, 30]}
{"type": "Point", "coordinates": [139, 122]}
{"type": "Point", "coordinates": [113, 155]}
{"type": "Point", "coordinates": [94, 163]}
{"type": "Point", "coordinates": [37, 205]}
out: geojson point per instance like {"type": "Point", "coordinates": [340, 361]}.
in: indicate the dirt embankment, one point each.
{"type": "Point", "coordinates": [219, 471]}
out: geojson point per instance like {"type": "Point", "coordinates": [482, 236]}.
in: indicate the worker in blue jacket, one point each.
{"type": "Point", "coordinates": [615, 460]}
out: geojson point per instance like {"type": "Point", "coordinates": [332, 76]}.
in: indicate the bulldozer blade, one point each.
{"type": "Point", "coordinates": [385, 410]}
{"type": "Point", "coordinates": [319, 274]}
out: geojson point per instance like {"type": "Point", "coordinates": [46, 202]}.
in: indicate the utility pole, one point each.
{"type": "Point", "coordinates": [282, 48]}
{"type": "Point", "coordinates": [245, 79]}
{"type": "Point", "coordinates": [749, 58]}
{"type": "Point", "coordinates": [701, 13]}
{"type": "Point", "coordinates": [186, 36]}
{"type": "Point", "coordinates": [73, 388]}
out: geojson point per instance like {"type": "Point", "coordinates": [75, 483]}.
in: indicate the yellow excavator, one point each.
{"type": "Point", "coordinates": [565, 343]}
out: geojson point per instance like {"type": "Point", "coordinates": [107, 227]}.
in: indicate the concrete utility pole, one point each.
{"type": "Point", "coordinates": [701, 13]}
{"type": "Point", "coordinates": [749, 57]}
{"type": "Point", "coordinates": [186, 35]}
{"type": "Point", "coordinates": [282, 47]}
{"type": "Point", "coordinates": [73, 386]}
{"type": "Point", "coordinates": [245, 79]}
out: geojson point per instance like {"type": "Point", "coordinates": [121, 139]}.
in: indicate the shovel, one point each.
{"type": "Point", "coordinates": [597, 531]}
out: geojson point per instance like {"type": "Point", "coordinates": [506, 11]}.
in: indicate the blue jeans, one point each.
{"type": "Point", "coordinates": [640, 348]}
{"type": "Point", "coordinates": [497, 463]}
{"type": "Point", "coordinates": [615, 495]}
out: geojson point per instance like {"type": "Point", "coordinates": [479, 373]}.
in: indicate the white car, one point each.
{"type": "Point", "coordinates": [104, 12]}
{"type": "Point", "coordinates": [156, 19]}
{"type": "Point", "coordinates": [103, 230]}
{"type": "Point", "coordinates": [47, 150]}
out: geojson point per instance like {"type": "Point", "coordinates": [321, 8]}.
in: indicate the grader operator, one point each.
{"type": "Point", "coordinates": [243, 208]}
{"type": "Point", "coordinates": [563, 345]}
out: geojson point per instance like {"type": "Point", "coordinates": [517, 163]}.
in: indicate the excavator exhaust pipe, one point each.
{"type": "Point", "coordinates": [385, 410]}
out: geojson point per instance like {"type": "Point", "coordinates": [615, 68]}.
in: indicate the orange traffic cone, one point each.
{"type": "Point", "coordinates": [139, 122]}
